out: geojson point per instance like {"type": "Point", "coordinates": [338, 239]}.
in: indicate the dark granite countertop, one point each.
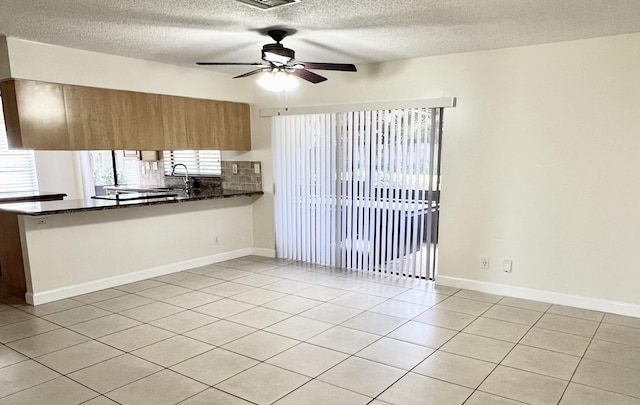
{"type": "Point", "coordinates": [89, 204]}
{"type": "Point", "coordinates": [22, 196]}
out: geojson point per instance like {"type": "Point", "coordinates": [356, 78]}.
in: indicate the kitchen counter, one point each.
{"type": "Point", "coordinates": [24, 196]}
{"type": "Point", "coordinates": [90, 204]}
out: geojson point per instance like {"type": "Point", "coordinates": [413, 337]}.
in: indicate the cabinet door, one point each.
{"type": "Point", "coordinates": [236, 132]}
{"type": "Point", "coordinates": [91, 117]}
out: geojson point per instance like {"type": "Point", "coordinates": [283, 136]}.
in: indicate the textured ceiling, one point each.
{"type": "Point", "coordinates": [182, 32]}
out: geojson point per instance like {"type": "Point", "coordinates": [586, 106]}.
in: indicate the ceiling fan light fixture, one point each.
{"type": "Point", "coordinates": [267, 4]}
{"type": "Point", "coordinates": [277, 81]}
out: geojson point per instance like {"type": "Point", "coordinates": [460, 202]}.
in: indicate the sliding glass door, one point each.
{"type": "Point", "coordinates": [359, 190]}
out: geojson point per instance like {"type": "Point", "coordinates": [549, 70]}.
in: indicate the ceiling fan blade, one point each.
{"type": "Point", "coordinates": [253, 72]}
{"type": "Point", "coordinates": [343, 67]}
{"type": "Point", "coordinates": [308, 76]}
{"type": "Point", "coordinates": [228, 64]}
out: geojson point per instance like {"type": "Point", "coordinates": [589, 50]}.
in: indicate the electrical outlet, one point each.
{"type": "Point", "coordinates": [256, 168]}
{"type": "Point", "coordinates": [507, 265]}
{"type": "Point", "coordinates": [42, 222]}
{"type": "Point", "coordinates": [216, 241]}
{"type": "Point", "coordinates": [234, 168]}
{"type": "Point", "coordinates": [484, 263]}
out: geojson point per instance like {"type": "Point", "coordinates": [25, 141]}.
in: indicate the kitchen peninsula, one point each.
{"type": "Point", "coordinates": [58, 249]}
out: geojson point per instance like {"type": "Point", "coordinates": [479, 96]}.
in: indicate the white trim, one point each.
{"type": "Point", "coordinates": [578, 301]}
{"type": "Point", "coordinates": [97, 285]}
{"type": "Point", "coordinates": [263, 252]}
{"type": "Point", "coordinates": [443, 102]}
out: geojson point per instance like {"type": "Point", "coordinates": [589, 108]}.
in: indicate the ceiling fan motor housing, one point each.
{"type": "Point", "coordinates": [285, 55]}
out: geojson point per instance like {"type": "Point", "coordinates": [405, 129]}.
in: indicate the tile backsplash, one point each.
{"type": "Point", "coordinates": [244, 178]}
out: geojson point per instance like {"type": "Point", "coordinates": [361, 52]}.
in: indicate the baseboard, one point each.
{"type": "Point", "coordinates": [578, 301]}
{"type": "Point", "coordinates": [263, 252]}
{"type": "Point", "coordinates": [97, 285]}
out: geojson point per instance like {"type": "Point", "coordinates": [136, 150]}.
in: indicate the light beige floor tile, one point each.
{"type": "Point", "coordinates": [227, 289]}
{"type": "Point", "coordinates": [191, 299]}
{"type": "Point", "coordinates": [424, 298]}
{"type": "Point", "coordinates": [412, 389]}
{"type": "Point", "coordinates": [463, 305]}
{"type": "Point", "coordinates": [306, 359]}
{"type": "Point", "coordinates": [24, 329]}
{"type": "Point", "coordinates": [609, 377]}
{"type": "Point", "coordinates": [576, 312]}
{"type": "Point", "coordinates": [97, 296]}
{"type": "Point", "coordinates": [344, 339]}
{"type": "Point", "coordinates": [123, 303]}
{"type": "Point", "coordinates": [282, 272]}
{"type": "Point", "coordinates": [455, 369]}
{"type": "Point", "coordinates": [139, 286]}
{"type": "Point", "coordinates": [163, 291]}
{"type": "Point", "coordinates": [263, 384]}
{"type": "Point", "coordinates": [257, 280]}
{"type": "Point", "coordinates": [259, 317]}
{"type": "Point", "coordinates": [525, 304]}
{"type": "Point", "coordinates": [47, 342]}
{"type": "Point", "coordinates": [214, 396]}
{"type": "Point", "coordinates": [114, 373]}
{"type": "Point", "coordinates": [622, 320]}
{"type": "Point", "coordinates": [371, 322]}
{"type": "Point", "coordinates": [523, 386]}
{"type": "Point", "coordinates": [298, 327]}
{"type": "Point", "coordinates": [445, 319]}
{"type": "Point", "coordinates": [399, 309]}
{"type": "Point", "coordinates": [227, 274]}
{"type": "Point", "coordinates": [556, 341]}
{"type": "Point", "coordinates": [478, 296]}
{"type": "Point", "coordinates": [76, 315]}
{"type": "Point", "coordinates": [163, 388]}
{"type": "Point", "coordinates": [577, 394]}
{"type": "Point", "coordinates": [478, 347]}
{"type": "Point", "coordinates": [331, 313]}
{"type": "Point", "coordinates": [214, 366]}
{"type": "Point", "coordinates": [358, 300]}
{"type": "Point", "coordinates": [619, 334]}
{"type": "Point", "coordinates": [260, 345]}
{"type": "Point", "coordinates": [567, 324]}
{"type": "Point", "coordinates": [615, 353]}
{"type": "Point", "coordinates": [9, 356]}
{"type": "Point", "coordinates": [422, 334]}
{"type": "Point", "coordinates": [174, 277]}
{"type": "Point", "coordinates": [224, 308]}
{"type": "Point", "coordinates": [395, 353]}
{"type": "Point", "coordinates": [61, 391]}
{"type": "Point", "coordinates": [437, 288]}
{"type": "Point", "coordinates": [287, 286]}
{"type": "Point", "coordinates": [52, 307]}
{"type": "Point", "coordinates": [106, 325]}
{"type": "Point", "coordinates": [345, 283]}
{"type": "Point", "coordinates": [197, 283]}
{"type": "Point", "coordinates": [482, 398]}
{"type": "Point", "coordinates": [552, 364]}
{"type": "Point", "coordinates": [495, 329]}
{"type": "Point", "coordinates": [20, 376]}
{"type": "Point", "coordinates": [512, 314]}
{"type": "Point", "coordinates": [318, 393]}
{"type": "Point", "coordinates": [382, 290]}
{"type": "Point", "coordinates": [12, 315]}
{"type": "Point", "coordinates": [292, 304]}
{"type": "Point", "coordinates": [362, 376]}
{"type": "Point", "coordinates": [172, 351]}
{"type": "Point", "coordinates": [151, 312]}
{"type": "Point", "coordinates": [100, 401]}
{"type": "Point", "coordinates": [256, 267]}
{"type": "Point", "coordinates": [321, 293]}
{"type": "Point", "coordinates": [220, 333]}
{"type": "Point", "coordinates": [74, 358]}
{"type": "Point", "coordinates": [184, 321]}
{"type": "Point", "coordinates": [136, 337]}
{"type": "Point", "coordinates": [258, 296]}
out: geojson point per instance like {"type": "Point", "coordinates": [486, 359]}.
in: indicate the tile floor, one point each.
{"type": "Point", "coordinates": [258, 330]}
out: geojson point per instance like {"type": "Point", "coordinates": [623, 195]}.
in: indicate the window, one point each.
{"type": "Point", "coordinates": [17, 167]}
{"type": "Point", "coordinates": [202, 162]}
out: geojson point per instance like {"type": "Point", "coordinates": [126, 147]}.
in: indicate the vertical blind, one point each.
{"type": "Point", "coordinates": [204, 162]}
{"type": "Point", "coordinates": [359, 190]}
{"type": "Point", "coordinates": [17, 167]}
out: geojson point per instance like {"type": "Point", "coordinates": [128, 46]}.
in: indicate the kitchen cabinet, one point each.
{"type": "Point", "coordinates": [52, 116]}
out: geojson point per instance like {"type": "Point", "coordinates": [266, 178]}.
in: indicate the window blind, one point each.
{"type": "Point", "coordinates": [17, 167]}
{"type": "Point", "coordinates": [202, 162]}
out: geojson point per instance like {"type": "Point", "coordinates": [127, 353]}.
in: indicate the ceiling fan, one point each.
{"type": "Point", "coordinates": [277, 58]}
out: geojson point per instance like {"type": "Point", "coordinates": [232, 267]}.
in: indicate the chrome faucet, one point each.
{"type": "Point", "coordinates": [186, 176]}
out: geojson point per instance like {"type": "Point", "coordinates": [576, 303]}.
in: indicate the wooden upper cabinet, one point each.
{"type": "Point", "coordinates": [52, 116]}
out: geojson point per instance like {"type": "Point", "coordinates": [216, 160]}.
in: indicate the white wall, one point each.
{"type": "Point", "coordinates": [59, 171]}
{"type": "Point", "coordinates": [540, 162]}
